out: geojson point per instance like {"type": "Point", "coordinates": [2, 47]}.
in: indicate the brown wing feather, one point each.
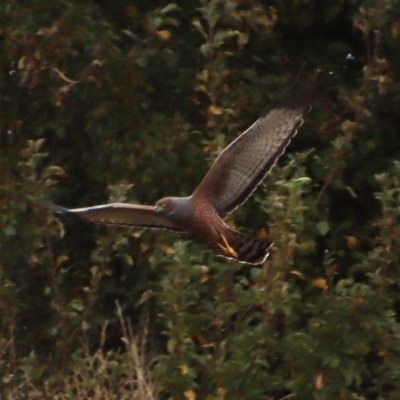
{"type": "Point", "coordinates": [244, 163]}
{"type": "Point", "coordinates": [121, 214]}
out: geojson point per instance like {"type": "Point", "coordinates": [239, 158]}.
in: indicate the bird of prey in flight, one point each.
{"type": "Point", "coordinates": [233, 177]}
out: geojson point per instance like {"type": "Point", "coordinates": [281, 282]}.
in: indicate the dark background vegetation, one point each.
{"type": "Point", "coordinates": [131, 101]}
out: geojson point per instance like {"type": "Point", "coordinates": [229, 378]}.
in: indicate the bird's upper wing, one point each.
{"type": "Point", "coordinates": [121, 214]}
{"type": "Point", "coordinates": [244, 163]}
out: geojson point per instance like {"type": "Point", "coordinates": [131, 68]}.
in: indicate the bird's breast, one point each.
{"type": "Point", "coordinates": [205, 222]}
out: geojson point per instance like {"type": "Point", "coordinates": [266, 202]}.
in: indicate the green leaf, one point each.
{"type": "Point", "coordinates": [76, 304]}
{"type": "Point", "coordinates": [169, 8]}
{"type": "Point", "coordinates": [322, 227]}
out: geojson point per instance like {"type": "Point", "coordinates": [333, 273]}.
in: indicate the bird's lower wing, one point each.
{"type": "Point", "coordinates": [120, 214]}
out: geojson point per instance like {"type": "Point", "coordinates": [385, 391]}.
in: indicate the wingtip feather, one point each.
{"type": "Point", "coordinates": [53, 207]}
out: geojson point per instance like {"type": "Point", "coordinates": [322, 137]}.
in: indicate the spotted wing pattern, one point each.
{"type": "Point", "coordinates": [233, 177]}
{"type": "Point", "coordinates": [121, 214]}
{"type": "Point", "coordinates": [244, 163]}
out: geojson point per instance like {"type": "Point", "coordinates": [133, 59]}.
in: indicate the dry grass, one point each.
{"type": "Point", "coordinates": [99, 376]}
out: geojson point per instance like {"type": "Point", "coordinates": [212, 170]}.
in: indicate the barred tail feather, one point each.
{"type": "Point", "coordinates": [250, 250]}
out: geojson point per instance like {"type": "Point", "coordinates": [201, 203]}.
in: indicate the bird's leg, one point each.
{"type": "Point", "coordinates": [228, 250]}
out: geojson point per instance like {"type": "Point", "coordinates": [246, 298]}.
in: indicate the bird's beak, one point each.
{"type": "Point", "coordinates": [157, 209]}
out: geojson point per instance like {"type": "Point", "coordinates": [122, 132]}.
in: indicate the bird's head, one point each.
{"type": "Point", "coordinates": [176, 208]}
{"type": "Point", "coordinates": [165, 206]}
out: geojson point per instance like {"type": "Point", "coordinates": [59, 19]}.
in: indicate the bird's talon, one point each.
{"type": "Point", "coordinates": [228, 250]}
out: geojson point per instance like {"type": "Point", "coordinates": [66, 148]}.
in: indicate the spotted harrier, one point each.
{"type": "Point", "coordinates": [233, 177]}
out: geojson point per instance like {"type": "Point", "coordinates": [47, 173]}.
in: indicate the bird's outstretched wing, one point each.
{"type": "Point", "coordinates": [240, 168]}
{"type": "Point", "coordinates": [121, 214]}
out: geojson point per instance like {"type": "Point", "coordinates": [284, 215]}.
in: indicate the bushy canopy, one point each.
{"type": "Point", "coordinates": [132, 101]}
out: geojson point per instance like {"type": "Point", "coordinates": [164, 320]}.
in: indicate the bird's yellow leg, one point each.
{"type": "Point", "coordinates": [228, 250]}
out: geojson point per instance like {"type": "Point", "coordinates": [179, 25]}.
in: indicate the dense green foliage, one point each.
{"type": "Point", "coordinates": [131, 101]}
